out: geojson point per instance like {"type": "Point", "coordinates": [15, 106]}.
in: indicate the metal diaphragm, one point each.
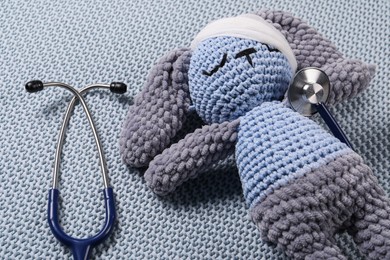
{"type": "Point", "coordinates": [310, 87]}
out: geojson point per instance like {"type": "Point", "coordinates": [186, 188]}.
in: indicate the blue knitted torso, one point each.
{"type": "Point", "coordinates": [276, 145]}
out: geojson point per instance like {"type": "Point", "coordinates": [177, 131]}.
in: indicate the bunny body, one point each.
{"type": "Point", "coordinates": [276, 145]}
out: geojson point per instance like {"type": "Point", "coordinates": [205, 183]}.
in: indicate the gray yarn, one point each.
{"type": "Point", "coordinates": [190, 156]}
{"type": "Point", "coordinates": [303, 217]}
{"type": "Point", "coordinates": [159, 110]}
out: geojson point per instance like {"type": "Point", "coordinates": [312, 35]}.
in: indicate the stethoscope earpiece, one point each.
{"type": "Point", "coordinates": [34, 86]}
{"type": "Point", "coordinates": [308, 94]}
{"type": "Point", "coordinates": [118, 87]}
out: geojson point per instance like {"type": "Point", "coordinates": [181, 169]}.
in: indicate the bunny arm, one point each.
{"type": "Point", "coordinates": [187, 158]}
{"type": "Point", "coordinates": [347, 77]}
{"type": "Point", "coordinates": [159, 111]}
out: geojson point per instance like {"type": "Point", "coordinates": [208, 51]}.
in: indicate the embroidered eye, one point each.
{"type": "Point", "coordinates": [271, 49]}
{"type": "Point", "coordinates": [220, 65]}
{"type": "Point", "coordinates": [246, 53]}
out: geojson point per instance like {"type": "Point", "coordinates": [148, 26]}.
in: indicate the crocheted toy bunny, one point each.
{"type": "Point", "coordinates": [301, 184]}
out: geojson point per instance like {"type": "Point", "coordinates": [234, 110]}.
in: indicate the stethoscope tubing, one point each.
{"type": "Point", "coordinates": [81, 248]}
{"type": "Point", "coordinates": [332, 124]}
{"type": "Point", "coordinates": [65, 122]}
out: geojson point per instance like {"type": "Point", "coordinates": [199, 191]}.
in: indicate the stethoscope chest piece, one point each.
{"type": "Point", "coordinates": [310, 87]}
{"type": "Point", "coordinates": [308, 94]}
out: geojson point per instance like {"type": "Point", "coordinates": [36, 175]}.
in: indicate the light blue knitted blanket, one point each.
{"type": "Point", "coordinates": [82, 42]}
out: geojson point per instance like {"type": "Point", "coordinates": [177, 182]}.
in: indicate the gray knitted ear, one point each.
{"type": "Point", "coordinates": [348, 78]}
{"type": "Point", "coordinates": [159, 110]}
{"type": "Point", "coordinates": [311, 49]}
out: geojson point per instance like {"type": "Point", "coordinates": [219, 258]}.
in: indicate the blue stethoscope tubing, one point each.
{"type": "Point", "coordinates": [81, 248]}
{"type": "Point", "coordinates": [332, 124]}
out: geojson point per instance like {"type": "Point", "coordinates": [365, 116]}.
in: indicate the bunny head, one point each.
{"type": "Point", "coordinates": [237, 64]}
{"type": "Point", "coordinates": [229, 76]}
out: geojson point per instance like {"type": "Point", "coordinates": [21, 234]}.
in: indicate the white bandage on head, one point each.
{"type": "Point", "coordinates": [247, 26]}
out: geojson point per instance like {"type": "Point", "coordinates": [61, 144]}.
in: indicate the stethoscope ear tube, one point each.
{"type": "Point", "coordinates": [307, 95]}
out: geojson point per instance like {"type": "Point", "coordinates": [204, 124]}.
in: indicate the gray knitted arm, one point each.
{"type": "Point", "coordinates": [159, 110]}
{"type": "Point", "coordinates": [187, 158]}
{"type": "Point", "coordinates": [348, 77]}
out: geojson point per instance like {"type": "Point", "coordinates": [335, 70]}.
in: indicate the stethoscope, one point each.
{"type": "Point", "coordinates": [81, 248]}
{"type": "Point", "coordinates": [308, 94]}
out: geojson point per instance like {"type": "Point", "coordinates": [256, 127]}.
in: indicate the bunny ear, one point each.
{"type": "Point", "coordinates": [311, 49]}
{"type": "Point", "coordinates": [159, 110]}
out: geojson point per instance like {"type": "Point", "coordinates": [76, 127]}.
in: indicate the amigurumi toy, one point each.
{"type": "Point", "coordinates": [301, 184]}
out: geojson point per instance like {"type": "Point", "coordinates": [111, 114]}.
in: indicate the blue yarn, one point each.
{"type": "Point", "coordinates": [276, 145]}
{"type": "Point", "coordinates": [237, 87]}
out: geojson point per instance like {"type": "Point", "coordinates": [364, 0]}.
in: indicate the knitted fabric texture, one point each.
{"type": "Point", "coordinates": [241, 81]}
{"type": "Point", "coordinates": [276, 145]}
{"type": "Point", "coordinates": [303, 217]}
